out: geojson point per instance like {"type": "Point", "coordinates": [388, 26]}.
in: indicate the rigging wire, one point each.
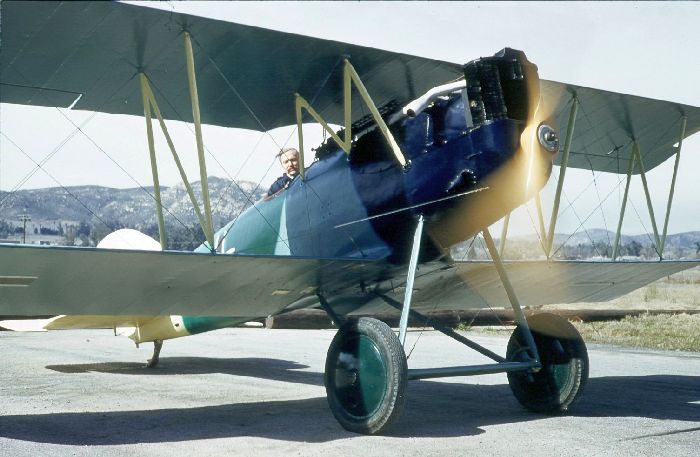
{"type": "Point", "coordinates": [67, 139]}
{"type": "Point", "coordinates": [646, 232]}
{"type": "Point", "coordinates": [573, 209]}
{"type": "Point", "coordinates": [127, 173]}
{"type": "Point", "coordinates": [532, 223]}
{"type": "Point", "coordinates": [245, 194]}
{"type": "Point", "coordinates": [80, 128]}
{"type": "Point", "coordinates": [597, 191]}
{"type": "Point", "coordinates": [588, 217]}
{"type": "Point", "coordinates": [39, 166]}
{"type": "Point", "coordinates": [466, 253]}
{"type": "Point", "coordinates": [46, 158]}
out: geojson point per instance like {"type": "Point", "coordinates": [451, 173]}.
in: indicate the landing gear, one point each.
{"type": "Point", "coordinates": [153, 361]}
{"type": "Point", "coordinates": [366, 374]}
{"type": "Point", "coordinates": [564, 360]}
{"type": "Point", "coordinates": [366, 368]}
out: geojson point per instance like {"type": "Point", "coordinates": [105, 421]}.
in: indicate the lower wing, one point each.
{"type": "Point", "coordinates": [78, 281]}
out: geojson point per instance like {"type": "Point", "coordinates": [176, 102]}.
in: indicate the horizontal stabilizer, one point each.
{"type": "Point", "coordinates": [25, 325]}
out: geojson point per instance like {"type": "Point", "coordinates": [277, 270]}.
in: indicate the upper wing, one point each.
{"type": "Point", "coordinates": [88, 54]}
{"type": "Point", "coordinates": [55, 52]}
{"type": "Point", "coordinates": [607, 124]}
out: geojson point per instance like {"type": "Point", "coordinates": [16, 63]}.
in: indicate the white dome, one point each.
{"type": "Point", "coordinates": [129, 239]}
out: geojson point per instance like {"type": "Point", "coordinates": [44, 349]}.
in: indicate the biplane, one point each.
{"type": "Point", "coordinates": [446, 150]}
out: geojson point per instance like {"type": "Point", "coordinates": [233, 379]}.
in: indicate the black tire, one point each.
{"type": "Point", "coordinates": [564, 365]}
{"type": "Point", "coordinates": [366, 375]}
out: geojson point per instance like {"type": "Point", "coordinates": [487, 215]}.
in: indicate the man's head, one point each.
{"type": "Point", "coordinates": [289, 159]}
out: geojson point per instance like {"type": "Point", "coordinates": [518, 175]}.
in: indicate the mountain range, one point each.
{"type": "Point", "coordinates": [127, 207]}
{"type": "Point", "coordinates": [53, 209]}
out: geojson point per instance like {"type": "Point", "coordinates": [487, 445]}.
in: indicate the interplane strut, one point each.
{"type": "Point", "coordinates": [149, 103]}
{"type": "Point", "coordinates": [350, 76]}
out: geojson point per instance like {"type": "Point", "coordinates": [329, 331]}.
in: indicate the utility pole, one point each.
{"type": "Point", "coordinates": [24, 218]}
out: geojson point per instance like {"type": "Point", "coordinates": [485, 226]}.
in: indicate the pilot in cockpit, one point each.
{"type": "Point", "coordinates": [289, 159]}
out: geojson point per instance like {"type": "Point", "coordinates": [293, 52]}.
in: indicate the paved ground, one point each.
{"type": "Point", "coordinates": [260, 392]}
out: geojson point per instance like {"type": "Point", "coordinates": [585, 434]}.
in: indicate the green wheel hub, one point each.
{"type": "Point", "coordinates": [360, 376]}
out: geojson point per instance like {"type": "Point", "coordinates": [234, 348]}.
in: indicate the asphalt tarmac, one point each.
{"type": "Point", "coordinates": [260, 392]}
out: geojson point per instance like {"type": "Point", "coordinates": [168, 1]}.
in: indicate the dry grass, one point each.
{"type": "Point", "coordinates": [679, 332]}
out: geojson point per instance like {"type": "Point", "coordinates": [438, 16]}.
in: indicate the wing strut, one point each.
{"type": "Point", "coordinates": [149, 103]}
{"type": "Point", "coordinates": [549, 236]}
{"type": "Point", "coordinates": [530, 364]}
{"type": "Point", "coordinates": [660, 241]}
{"type": "Point", "coordinates": [630, 168]}
{"type": "Point", "coordinates": [517, 309]}
{"type": "Point", "coordinates": [154, 165]}
{"type": "Point", "coordinates": [192, 80]}
{"type": "Point", "coordinates": [412, 266]}
{"type": "Point", "coordinates": [648, 198]}
{"type": "Point", "coordinates": [684, 122]}
{"type": "Point", "coordinates": [350, 76]}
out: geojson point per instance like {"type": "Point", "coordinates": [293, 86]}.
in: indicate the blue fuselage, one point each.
{"type": "Point", "coordinates": [447, 158]}
{"type": "Point", "coordinates": [472, 158]}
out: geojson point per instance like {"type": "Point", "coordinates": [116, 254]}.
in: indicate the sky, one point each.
{"type": "Point", "coordinates": [644, 49]}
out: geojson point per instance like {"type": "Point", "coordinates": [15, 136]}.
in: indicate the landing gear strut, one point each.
{"type": "Point", "coordinates": [153, 361]}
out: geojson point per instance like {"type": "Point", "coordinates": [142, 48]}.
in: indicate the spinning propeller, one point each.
{"type": "Point", "coordinates": [540, 139]}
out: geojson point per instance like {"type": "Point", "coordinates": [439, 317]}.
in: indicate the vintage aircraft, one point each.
{"type": "Point", "coordinates": [447, 149]}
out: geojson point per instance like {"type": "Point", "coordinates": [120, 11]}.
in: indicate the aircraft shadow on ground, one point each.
{"type": "Point", "coordinates": [433, 409]}
{"type": "Point", "coordinates": [266, 368]}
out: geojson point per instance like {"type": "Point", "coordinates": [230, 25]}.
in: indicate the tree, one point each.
{"type": "Point", "coordinates": [5, 229]}
{"type": "Point", "coordinates": [634, 248]}
{"type": "Point", "coordinates": [101, 229]}
{"type": "Point", "coordinates": [182, 238]}
{"type": "Point", "coordinates": [69, 235]}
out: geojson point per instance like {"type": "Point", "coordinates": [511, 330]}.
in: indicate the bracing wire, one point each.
{"type": "Point", "coordinates": [597, 191]}
{"type": "Point", "coordinates": [233, 181]}
{"type": "Point", "coordinates": [646, 232]}
{"type": "Point", "coordinates": [46, 158]}
{"type": "Point", "coordinates": [39, 166]}
{"type": "Point", "coordinates": [588, 217]}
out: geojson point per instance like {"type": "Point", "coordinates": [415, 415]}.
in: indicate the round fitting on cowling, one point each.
{"type": "Point", "coordinates": [548, 138]}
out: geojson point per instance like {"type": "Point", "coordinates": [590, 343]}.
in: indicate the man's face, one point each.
{"type": "Point", "coordinates": [290, 163]}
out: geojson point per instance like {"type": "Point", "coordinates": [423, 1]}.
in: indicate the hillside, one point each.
{"type": "Point", "coordinates": [89, 212]}
{"type": "Point", "coordinates": [84, 214]}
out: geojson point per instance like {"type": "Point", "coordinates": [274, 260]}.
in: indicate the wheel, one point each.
{"type": "Point", "coordinates": [564, 365]}
{"type": "Point", "coordinates": [366, 375]}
